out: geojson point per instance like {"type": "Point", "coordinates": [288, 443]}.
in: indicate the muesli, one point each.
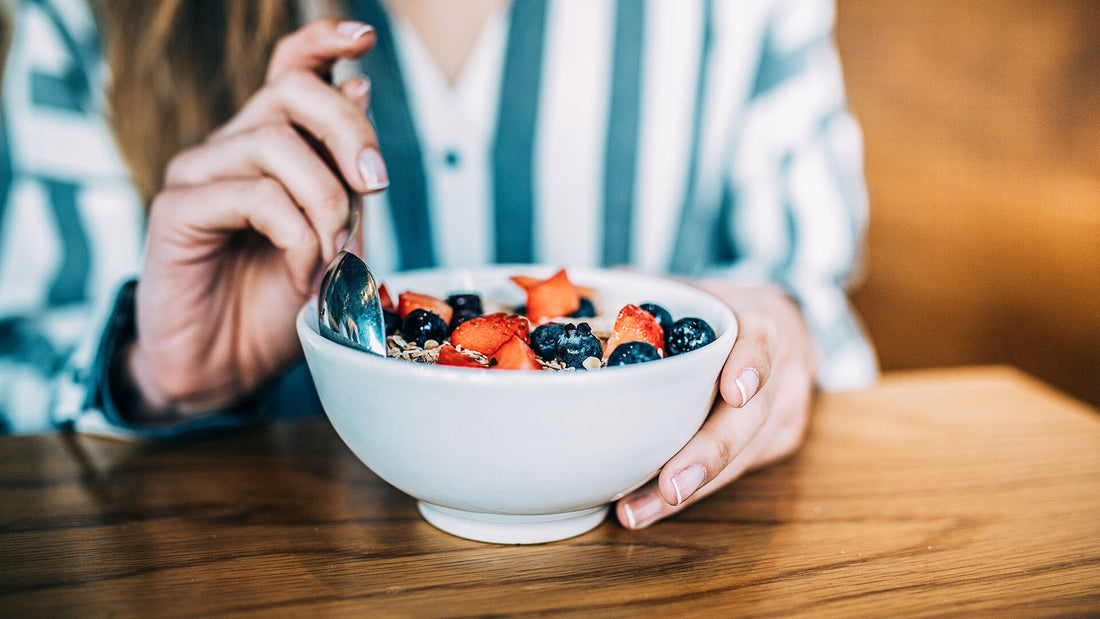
{"type": "Point", "coordinates": [552, 331]}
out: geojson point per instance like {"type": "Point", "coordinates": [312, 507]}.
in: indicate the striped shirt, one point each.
{"type": "Point", "coordinates": [691, 137]}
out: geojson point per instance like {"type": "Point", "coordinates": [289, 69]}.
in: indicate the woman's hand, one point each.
{"type": "Point", "coordinates": [760, 416]}
{"type": "Point", "coordinates": [245, 221]}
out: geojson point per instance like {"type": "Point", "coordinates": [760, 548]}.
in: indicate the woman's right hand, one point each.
{"type": "Point", "coordinates": [244, 223]}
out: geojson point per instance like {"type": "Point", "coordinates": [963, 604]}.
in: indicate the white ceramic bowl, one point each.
{"type": "Point", "coordinates": [512, 456]}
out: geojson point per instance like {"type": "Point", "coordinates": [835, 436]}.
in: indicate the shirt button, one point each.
{"type": "Point", "coordinates": [452, 158]}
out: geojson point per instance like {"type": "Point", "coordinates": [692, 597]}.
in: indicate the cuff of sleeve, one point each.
{"type": "Point", "coordinates": [103, 412]}
{"type": "Point", "coordinates": [846, 357]}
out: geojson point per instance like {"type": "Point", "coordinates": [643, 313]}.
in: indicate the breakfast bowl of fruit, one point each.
{"type": "Point", "coordinates": [515, 403]}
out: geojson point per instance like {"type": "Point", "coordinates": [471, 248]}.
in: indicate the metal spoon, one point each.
{"type": "Point", "coordinates": [349, 311]}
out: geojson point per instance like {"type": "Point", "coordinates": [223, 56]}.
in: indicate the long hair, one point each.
{"type": "Point", "coordinates": [5, 37]}
{"type": "Point", "coordinates": [179, 69]}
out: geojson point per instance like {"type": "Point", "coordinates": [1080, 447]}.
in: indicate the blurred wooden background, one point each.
{"type": "Point", "coordinates": [982, 129]}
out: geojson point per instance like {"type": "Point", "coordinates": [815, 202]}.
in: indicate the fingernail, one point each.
{"type": "Point", "coordinates": [642, 510]}
{"type": "Point", "coordinates": [748, 381]}
{"type": "Point", "coordinates": [353, 29]}
{"type": "Point", "coordinates": [687, 481]}
{"type": "Point", "coordinates": [373, 170]}
{"type": "Point", "coordinates": [361, 86]}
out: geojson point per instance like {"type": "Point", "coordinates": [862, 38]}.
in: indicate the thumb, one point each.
{"type": "Point", "coordinates": [317, 46]}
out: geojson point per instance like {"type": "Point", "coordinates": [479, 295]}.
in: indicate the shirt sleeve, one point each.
{"type": "Point", "coordinates": [71, 229]}
{"type": "Point", "coordinates": [88, 404]}
{"type": "Point", "coordinates": [799, 202]}
{"type": "Point", "coordinates": [59, 188]}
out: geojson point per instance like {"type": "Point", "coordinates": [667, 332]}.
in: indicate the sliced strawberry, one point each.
{"type": "Point", "coordinates": [514, 354]}
{"type": "Point", "coordinates": [387, 300]}
{"type": "Point", "coordinates": [408, 301]}
{"type": "Point", "coordinates": [525, 281]}
{"type": "Point", "coordinates": [552, 298]}
{"type": "Point", "coordinates": [485, 334]}
{"type": "Point", "coordinates": [449, 355]}
{"type": "Point", "coordinates": [634, 324]}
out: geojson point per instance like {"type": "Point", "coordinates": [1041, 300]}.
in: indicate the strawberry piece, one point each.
{"type": "Point", "coordinates": [408, 301]}
{"type": "Point", "coordinates": [551, 298]}
{"type": "Point", "coordinates": [514, 354]}
{"type": "Point", "coordinates": [485, 334]}
{"type": "Point", "coordinates": [385, 298]}
{"type": "Point", "coordinates": [634, 324]}
{"type": "Point", "coordinates": [525, 281]}
{"type": "Point", "coordinates": [449, 355]}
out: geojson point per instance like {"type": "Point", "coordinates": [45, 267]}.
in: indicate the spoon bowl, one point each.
{"type": "Point", "coordinates": [349, 310]}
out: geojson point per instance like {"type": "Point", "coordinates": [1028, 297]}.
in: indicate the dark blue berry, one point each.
{"type": "Point", "coordinates": [465, 302]}
{"type": "Point", "coordinates": [586, 310]}
{"type": "Point", "coordinates": [420, 325]}
{"type": "Point", "coordinates": [687, 334]}
{"type": "Point", "coordinates": [660, 313]}
{"type": "Point", "coordinates": [633, 352]}
{"type": "Point", "coordinates": [461, 316]}
{"type": "Point", "coordinates": [544, 340]}
{"type": "Point", "coordinates": [577, 344]}
{"type": "Point", "coordinates": [393, 321]}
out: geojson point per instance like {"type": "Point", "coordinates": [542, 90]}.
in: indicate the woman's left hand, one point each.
{"type": "Point", "coordinates": [760, 416]}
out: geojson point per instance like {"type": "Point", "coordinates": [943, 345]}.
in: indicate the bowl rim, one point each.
{"type": "Point", "coordinates": [306, 325]}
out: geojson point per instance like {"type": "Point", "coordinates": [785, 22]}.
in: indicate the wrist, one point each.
{"type": "Point", "coordinates": [135, 396]}
{"type": "Point", "coordinates": [146, 399]}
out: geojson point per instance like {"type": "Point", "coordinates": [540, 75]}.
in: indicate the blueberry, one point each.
{"type": "Point", "coordinates": [544, 340]}
{"type": "Point", "coordinates": [687, 334]}
{"type": "Point", "coordinates": [393, 321]}
{"type": "Point", "coordinates": [460, 316]}
{"type": "Point", "coordinates": [465, 302]}
{"type": "Point", "coordinates": [660, 313]}
{"type": "Point", "coordinates": [577, 344]}
{"type": "Point", "coordinates": [587, 309]}
{"type": "Point", "coordinates": [633, 352]}
{"type": "Point", "coordinates": [420, 325]}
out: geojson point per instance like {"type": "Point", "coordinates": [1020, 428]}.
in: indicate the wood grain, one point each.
{"type": "Point", "coordinates": [982, 130]}
{"type": "Point", "coordinates": [956, 491]}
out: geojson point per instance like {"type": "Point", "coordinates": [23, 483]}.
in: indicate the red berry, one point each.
{"type": "Point", "coordinates": [514, 354]}
{"type": "Point", "coordinates": [485, 334]}
{"type": "Point", "coordinates": [634, 324]}
{"type": "Point", "coordinates": [552, 298]}
{"type": "Point", "coordinates": [408, 301]}
{"type": "Point", "coordinates": [450, 356]}
{"type": "Point", "coordinates": [384, 297]}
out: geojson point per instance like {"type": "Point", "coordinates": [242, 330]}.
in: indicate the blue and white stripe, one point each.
{"type": "Point", "coordinates": [697, 137]}
{"type": "Point", "coordinates": [71, 224]}
{"type": "Point", "coordinates": [738, 159]}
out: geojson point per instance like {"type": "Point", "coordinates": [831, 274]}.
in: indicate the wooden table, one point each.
{"type": "Point", "coordinates": [949, 491]}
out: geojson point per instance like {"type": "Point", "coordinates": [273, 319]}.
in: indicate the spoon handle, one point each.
{"type": "Point", "coordinates": [355, 206]}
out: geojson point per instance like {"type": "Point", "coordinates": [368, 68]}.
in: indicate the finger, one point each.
{"type": "Point", "coordinates": [357, 90]}
{"type": "Point", "coordinates": [327, 115]}
{"type": "Point", "coordinates": [279, 152]}
{"type": "Point", "coordinates": [211, 212]}
{"type": "Point", "coordinates": [716, 454]}
{"type": "Point", "coordinates": [317, 46]}
{"type": "Point", "coordinates": [749, 364]}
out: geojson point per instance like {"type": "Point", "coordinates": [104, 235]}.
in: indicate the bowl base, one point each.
{"type": "Point", "coordinates": [512, 529]}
